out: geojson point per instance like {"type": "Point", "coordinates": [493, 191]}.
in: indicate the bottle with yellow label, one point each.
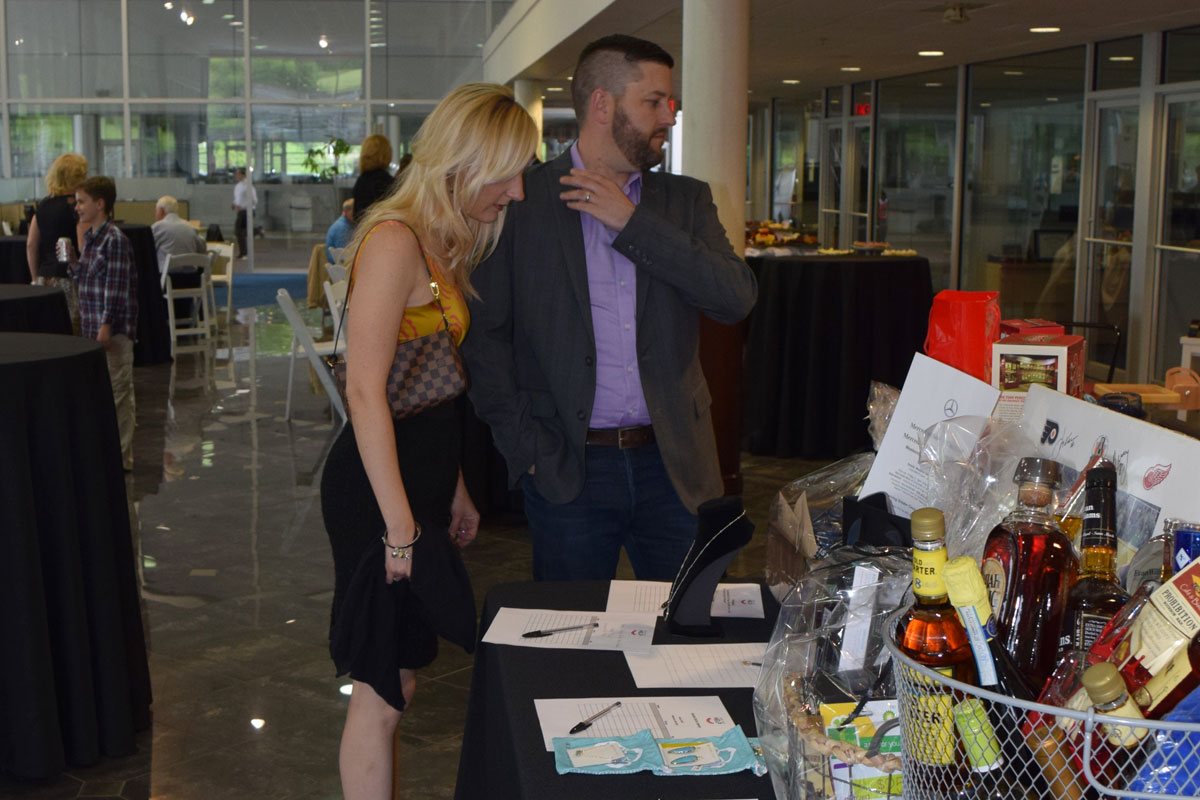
{"type": "Point", "coordinates": [931, 634]}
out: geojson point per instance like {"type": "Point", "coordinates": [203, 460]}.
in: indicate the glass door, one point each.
{"type": "Point", "coordinates": [860, 188]}
{"type": "Point", "coordinates": [1177, 240]}
{"type": "Point", "coordinates": [1108, 249]}
{"type": "Point", "coordinates": [831, 192]}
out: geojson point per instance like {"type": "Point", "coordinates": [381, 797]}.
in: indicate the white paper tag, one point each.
{"type": "Point", "coordinates": [631, 637]}
{"type": "Point", "coordinates": [597, 755]}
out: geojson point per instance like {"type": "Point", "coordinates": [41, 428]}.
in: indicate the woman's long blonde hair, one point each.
{"type": "Point", "coordinates": [477, 135]}
{"type": "Point", "coordinates": [65, 174]}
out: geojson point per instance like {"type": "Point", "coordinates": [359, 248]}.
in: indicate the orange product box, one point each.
{"type": "Point", "coordinates": [1013, 327]}
{"type": "Point", "coordinates": [1055, 361]}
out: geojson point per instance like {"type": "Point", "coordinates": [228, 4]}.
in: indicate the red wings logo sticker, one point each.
{"type": "Point", "coordinates": [1155, 475]}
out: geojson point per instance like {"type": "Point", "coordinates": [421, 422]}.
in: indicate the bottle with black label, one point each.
{"type": "Point", "coordinates": [1097, 596]}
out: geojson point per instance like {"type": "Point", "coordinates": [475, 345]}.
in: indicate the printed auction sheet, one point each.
{"type": "Point", "coordinates": [730, 600]}
{"type": "Point", "coordinates": [571, 630]}
{"type": "Point", "coordinates": [664, 717]}
{"type": "Point", "coordinates": [697, 666]}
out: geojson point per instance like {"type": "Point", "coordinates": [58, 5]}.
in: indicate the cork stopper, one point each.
{"type": "Point", "coordinates": [1103, 683]}
{"type": "Point", "coordinates": [965, 585]}
{"type": "Point", "coordinates": [928, 525]}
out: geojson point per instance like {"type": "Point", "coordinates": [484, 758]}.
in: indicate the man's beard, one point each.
{"type": "Point", "coordinates": [634, 144]}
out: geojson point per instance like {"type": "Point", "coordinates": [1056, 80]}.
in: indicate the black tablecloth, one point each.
{"type": "Point", "coordinates": [502, 752]}
{"type": "Point", "coordinates": [33, 309]}
{"type": "Point", "coordinates": [822, 330]}
{"type": "Point", "coordinates": [74, 681]}
{"type": "Point", "coordinates": [153, 345]}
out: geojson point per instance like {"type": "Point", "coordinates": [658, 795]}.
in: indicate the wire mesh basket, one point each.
{"type": "Point", "coordinates": [1045, 752]}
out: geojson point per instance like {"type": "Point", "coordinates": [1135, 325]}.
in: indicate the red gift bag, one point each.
{"type": "Point", "coordinates": [962, 327]}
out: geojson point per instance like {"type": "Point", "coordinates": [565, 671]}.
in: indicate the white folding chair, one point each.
{"type": "Point", "coordinates": [335, 294]}
{"type": "Point", "coordinates": [336, 254]}
{"type": "Point", "coordinates": [337, 272]}
{"type": "Point", "coordinates": [222, 275]}
{"type": "Point", "coordinates": [202, 328]}
{"type": "Point", "coordinates": [6, 227]}
{"type": "Point", "coordinates": [302, 338]}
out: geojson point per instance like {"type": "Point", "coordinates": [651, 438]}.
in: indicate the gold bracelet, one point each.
{"type": "Point", "coordinates": [401, 550]}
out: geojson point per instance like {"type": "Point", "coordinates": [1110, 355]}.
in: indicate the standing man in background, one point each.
{"type": "Point", "coordinates": [108, 296]}
{"type": "Point", "coordinates": [243, 197]}
{"type": "Point", "coordinates": [584, 353]}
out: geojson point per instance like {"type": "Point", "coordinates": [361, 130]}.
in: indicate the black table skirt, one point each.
{"type": "Point", "coordinates": [33, 309]}
{"type": "Point", "coordinates": [822, 330]}
{"type": "Point", "coordinates": [153, 345]}
{"type": "Point", "coordinates": [502, 752]}
{"type": "Point", "coordinates": [74, 680]}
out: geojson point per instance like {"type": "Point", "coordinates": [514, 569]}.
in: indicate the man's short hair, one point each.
{"type": "Point", "coordinates": [611, 63]}
{"type": "Point", "coordinates": [101, 187]}
{"type": "Point", "coordinates": [168, 204]}
{"type": "Point", "coordinates": [348, 205]}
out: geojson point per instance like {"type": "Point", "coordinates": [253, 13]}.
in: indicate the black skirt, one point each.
{"type": "Point", "coordinates": [375, 629]}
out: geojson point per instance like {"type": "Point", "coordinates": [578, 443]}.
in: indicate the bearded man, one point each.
{"type": "Point", "coordinates": [583, 352]}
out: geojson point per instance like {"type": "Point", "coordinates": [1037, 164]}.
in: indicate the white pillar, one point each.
{"type": "Point", "coordinates": [716, 51]}
{"type": "Point", "coordinates": [529, 95]}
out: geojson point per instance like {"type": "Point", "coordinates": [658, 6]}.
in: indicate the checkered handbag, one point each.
{"type": "Point", "coordinates": [426, 372]}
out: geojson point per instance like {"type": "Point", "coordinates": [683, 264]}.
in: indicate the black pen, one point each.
{"type": "Point", "coordinates": [548, 631]}
{"type": "Point", "coordinates": [587, 723]}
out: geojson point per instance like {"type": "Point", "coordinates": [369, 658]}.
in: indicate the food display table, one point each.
{"type": "Point", "coordinates": [74, 680]}
{"type": "Point", "coordinates": [33, 309]}
{"type": "Point", "coordinates": [503, 755]}
{"type": "Point", "coordinates": [824, 327]}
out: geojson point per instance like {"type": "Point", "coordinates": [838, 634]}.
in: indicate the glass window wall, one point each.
{"type": "Point", "coordinates": [914, 166]}
{"type": "Point", "coordinates": [40, 133]}
{"type": "Point", "coordinates": [1179, 279]}
{"type": "Point", "coordinates": [64, 48]}
{"type": "Point", "coordinates": [796, 171]}
{"type": "Point", "coordinates": [306, 56]}
{"type": "Point", "coordinates": [1024, 139]}
{"type": "Point", "coordinates": [424, 49]}
{"type": "Point", "coordinates": [192, 52]}
{"type": "Point", "coordinates": [1181, 61]}
{"type": "Point", "coordinates": [1119, 63]}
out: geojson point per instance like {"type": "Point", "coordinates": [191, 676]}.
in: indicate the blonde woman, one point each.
{"type": "Point", "coordinates": [385, 476]}
{"type": "Point", "coordinates": [55, 218]}
{"type": "Point", "coordinates": [374, 180]}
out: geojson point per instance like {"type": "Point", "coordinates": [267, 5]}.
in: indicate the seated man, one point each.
{"type": "Point", "coordinates": [172, 235]}
{"type": "Point", "coordinates": [339, 233]}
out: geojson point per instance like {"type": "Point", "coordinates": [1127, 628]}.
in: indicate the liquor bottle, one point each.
{"type": "Point", "coordinates": [1106, 689]}
{"type": "Point", "coordinates": [1113, 642]}
{"type": "Point", "coordinates": [1172, 683]}
{"type": "Point", "coordinates": [931, 634]}
{"type": "Point", "coordinates": [1152, 562]}
{"type": "Point", "coordinates": [1097, 596]}
{"type": "Point", "coordinates": [987, 778]}
{"type": "Point", "coordinates": [1185, 541]}
{"type": "Point", "coordinates": [1029, 567]}
{"type": "Point", "coordinates": [1069, 513]}
{"type": "Point", "coordinates": [994, 666]}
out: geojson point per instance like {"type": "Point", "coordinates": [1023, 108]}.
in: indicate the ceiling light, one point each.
{"type": "Point", "coordinates": [168, 5]}
{"type": "Point", "coordinates": [1013, 72]}
{"type": "Point", "coordinates": [183, 15]}
{"type": "Point", "coordinates": [227, 16]}
{"type": "Point", "coordinates": [378, 44]}
{"type": "Point", "coordinates": [1045, 30]}
{"type": "Point", "coordinates": [260, 47]}
{"type": "Point", "coordinates": [322, 42]}
{"type": "Point", "coordinates": [1051, 99]}
{"type": "Point", "coordinates": [933, 84]}
{"type": "Point", "coordinates": [554, 88]}
{"type": "Point", "coordinates": [207, 2]}
{"type": "Point", "coordinates": [190, 19]}
{"type": "Point", "coordinates": [985, 105]}
{"type": "Point", "coordinates": [257, 723]}
{"type": "Point", "coordinates": [930, 53]}
{"type": "Point", "coordinates": [851, 69]}
{"type": "Point", "coordinates": [791, 81]}
{"type": "Point", "coordinates": [237, 23]}
{"type": "Point", "coordinates": [1120, 58]}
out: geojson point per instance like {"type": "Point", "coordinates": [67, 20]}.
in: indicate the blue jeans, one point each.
{"type": "Point", "coordinates": [627, 500]}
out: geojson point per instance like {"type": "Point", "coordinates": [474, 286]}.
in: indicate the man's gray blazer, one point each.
{"type": "Point", "coordinates": [531, 351]}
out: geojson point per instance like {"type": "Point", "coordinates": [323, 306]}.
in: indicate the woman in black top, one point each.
{"type": "Point", "coordinates": [54, 219]}
{"type": "Point", "coordinates": [374, 181]}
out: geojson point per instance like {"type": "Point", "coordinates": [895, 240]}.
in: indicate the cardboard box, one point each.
{"type": "Point", "coordinates": [1016, 327]}
{"type": "Point", "coordinates": [1029, 359]}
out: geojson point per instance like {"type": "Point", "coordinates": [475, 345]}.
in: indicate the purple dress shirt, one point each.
{"type": "Point", "coordinates": [612, 290]}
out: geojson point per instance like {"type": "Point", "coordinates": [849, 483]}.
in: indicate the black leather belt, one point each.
{"type": "Point", "coordinates": [624, 438]}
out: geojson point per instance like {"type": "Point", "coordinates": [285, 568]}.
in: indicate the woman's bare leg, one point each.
{"type": "Point", "coordinates": [366, 753]}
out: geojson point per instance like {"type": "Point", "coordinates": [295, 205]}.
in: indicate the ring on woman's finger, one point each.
{"type": "Point", "coordinates": [587, 197]}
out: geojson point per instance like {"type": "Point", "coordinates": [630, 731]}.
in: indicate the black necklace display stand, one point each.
{"type": "Point", "coordinates": [722, 530]}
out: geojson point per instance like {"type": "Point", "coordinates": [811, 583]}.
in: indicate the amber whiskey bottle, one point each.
{"type": "Point", "coordinates": [931, 634]}
{"type": "Point", "coordinates": [1097, 596]}
{"type": "Point", "coordinates": [1029, 567]}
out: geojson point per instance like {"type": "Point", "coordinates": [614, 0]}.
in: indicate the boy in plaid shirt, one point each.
{"type": "Point", "coordinates": [108, 296]}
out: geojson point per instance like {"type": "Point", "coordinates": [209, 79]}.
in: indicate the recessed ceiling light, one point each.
{"type": "Point", "coordinates": [227, 16]}
{"type": "Point", "coordinates": [190, 19]}
{"type": "Point", "coordinates": [933, 84]}
{"type": "Point", "coordinates": [168, 5]}
{"type": "Point", "coordinates": [930, 53]}
{"type": "Point", "coordinates": [851, 69]}
{"type": "Point", "coordinates": [183, 15]}
{"type": "Point", "coordinates": [237, 23]}
{"type": "Point", "coordinates": [378, 44]}
{"type": "Point", "coordinates": [1120, 58]}
{"type": "Point", "coordinates": [791, 81]}
{"type": "Point", "coordinates": [257, 724]}
{"type": "Point", "coordinates": [322, 42]}
{"type": "Point", "coordinates": [985, 105]}
{"type": "Point", "coordinates": [554, 88]}
{"type": "Point", "coordinates": [1013, 72]}
{"type": "Point", "coordinates": [260, 47]}
{"type": "Point", "coordinates": [1045, 30]}
{"type": "Point", "coordinates": [1051, 99]}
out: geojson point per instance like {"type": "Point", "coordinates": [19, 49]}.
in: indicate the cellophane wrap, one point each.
{"type": "Point", "coordinates": [828, 637]}
{"type": "Point", "coordinates": [789, 550]}
{"type": "Point", "coordinates": [971, 476]}
{"type": "Point", "coordinates": [881, 402]}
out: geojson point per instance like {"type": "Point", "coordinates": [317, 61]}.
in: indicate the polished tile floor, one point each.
{"type": "Point", "coordinates": [236, 578]}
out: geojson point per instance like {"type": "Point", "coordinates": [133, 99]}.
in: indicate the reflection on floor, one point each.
{"type": "Point", "coordinates": [237, 582]}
